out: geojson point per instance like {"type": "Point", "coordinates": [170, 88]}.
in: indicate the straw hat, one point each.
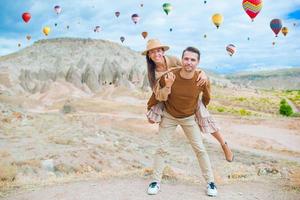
{"type": "Point", "coordinates": [154, 44]}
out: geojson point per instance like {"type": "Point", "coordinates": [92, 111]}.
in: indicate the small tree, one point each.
{"type": "Point", "coordinates": [285, 109]}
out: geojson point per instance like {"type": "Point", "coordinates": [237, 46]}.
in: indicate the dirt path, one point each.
{"type": "Point", "coordinates": [135, 189]}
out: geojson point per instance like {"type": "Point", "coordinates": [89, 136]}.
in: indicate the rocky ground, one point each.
{"type": "Point", "coordinates": [90, 146]}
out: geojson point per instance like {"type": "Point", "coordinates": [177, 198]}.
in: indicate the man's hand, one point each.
{"type": "Point", "coordinates": [169, 79]}
{"type": "Point", "coordinates": [202, 79]}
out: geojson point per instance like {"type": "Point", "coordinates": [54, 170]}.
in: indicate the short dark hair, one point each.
{"type": "Point", "coordinates": [192, 49]}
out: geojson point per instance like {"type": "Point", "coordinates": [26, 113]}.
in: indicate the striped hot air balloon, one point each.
{"type": "Point", "coordinates": [252, 7]}
{"type": "Point", "coordinates": [276, 26]}
{"type": "Point", "coordinates": [230, 49]}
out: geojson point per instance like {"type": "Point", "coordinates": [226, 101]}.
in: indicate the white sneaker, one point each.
{"type": "Point", "coordinates": [212, 189]}
{"type": "Point", "coordinates": [153, 188]}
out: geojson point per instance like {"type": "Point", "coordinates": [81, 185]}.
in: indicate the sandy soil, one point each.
{"type": "Point", "coordinates": [125, 189]}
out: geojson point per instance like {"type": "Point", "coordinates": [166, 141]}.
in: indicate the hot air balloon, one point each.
{"type": "Point", "coordinates": [135, 18]}
{"type": "Point", "coordinates": [285, 31]}
{"type": "Point", "coordinates": [55, 24]}
{"type": "Point", "coordinates": [142, 5]}
{"type": "Point", "coordinates": [97, 29]}
{"type": "Point", "coordinates": [144, 34]}
{"type": "Point", "coordinates": [248, 38]}
{"type": "Point", "coordinates": [171, 29]}
{"type": "Point", "coordinates": [46, 30]}
{"type": "Point", "coordinates": [273, 43]}
{"type": "Point", "coordinates": [276, 26]}
{"type": "Point", "coordinates": [19, 45]}
{"type": "Point", "coordinates": [295, 24]}
{"type": "Point", "coordinates": [68, 27]}
{"type": "Point", "coordinates": [205, 2]}
{"type": "Point", "coordinates": [117, 14]}
{"type": "Point", "coordinates": [217, 19]}
{"type": "Point", "coordinates": [205, 36]}
{"type": "Point", "coordinates": [167, 8]}
{"type": "Point", "coordinates": [57, 9]}
{"type": "Point", "coordinates": [26, 17]}
{"type": "Point", "coordinates": [28, 37]}
{"type": "Point", "coordinates": [252, 7]}
{"type": "Point", "coordinates": [122, 39]}
{"type": "Point", "coordinates": [230, 49]}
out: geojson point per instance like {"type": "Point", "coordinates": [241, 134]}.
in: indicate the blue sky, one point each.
{"type": "Point", "coordinates": [189, 19]}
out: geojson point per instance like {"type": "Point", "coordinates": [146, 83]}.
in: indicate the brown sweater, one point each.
{"type": "Point", "coordinates": [183, 99]}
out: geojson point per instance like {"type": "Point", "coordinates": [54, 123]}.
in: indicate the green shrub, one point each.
{"type": "Point", "coordinates": [241, 99]}
{"type": "Point", "coordinates": [283, 101]}
{"type": "Point", "coordinates": [244, 112]}
{"type": "Point", "coordinates": [295, 115]}
{"type": "Point", "coordinates": [285, 109]}
{"type": "Point", "coordinates": [220, 109]}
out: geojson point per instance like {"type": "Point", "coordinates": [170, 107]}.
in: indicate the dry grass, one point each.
{"type": "Point", "coordinates": [8, 172]}
{"type": "Point", "coordinates": [59, 140]}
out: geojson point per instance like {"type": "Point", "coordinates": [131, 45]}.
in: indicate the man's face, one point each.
{"type": "Point", "coordinates": [189, 61]}
{"type": "Point", "coordinates": [157, 55]}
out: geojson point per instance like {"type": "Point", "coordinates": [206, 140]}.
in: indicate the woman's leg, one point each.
{"type": "Point", "coordinates": [219, 137]}
{"type": "Point", "coordinates": [228, 153]}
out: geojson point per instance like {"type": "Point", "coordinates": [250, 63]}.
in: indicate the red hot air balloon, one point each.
{"type": "Point", "coordinates": [117, 14]}
{"type": "Point", "coordinates": [135, 18]}
{"type": "Point", "coordinates": [26, 17]}
{"type": "Point", "coordinates": [252, 7]}
{"type": "Point", "coordinates": [276, 26]}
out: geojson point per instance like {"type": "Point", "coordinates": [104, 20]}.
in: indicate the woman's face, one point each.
{"type": "Point", "coordinates": [157, 55]}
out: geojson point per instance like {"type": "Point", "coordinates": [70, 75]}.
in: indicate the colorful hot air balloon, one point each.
{"type": "Point", "coordinates": [122, 39]}
{"type": "Point", "coordinates": [252, 7]}
{"type": "Point", "coordinates": [167, 7]}
{"type": "Point", "coordinates": [97, 29]}
{"type": "Point", "coordinates": [57, 9]}
{"type": "Point", "coordinates": [28, 37]}
{"type": "Point", "coordinates": [26, 17]}
{"type": "Point", "coordinates": [285, 31]}
{"type": "Point", "coordinates": [230, 49]}
{"type": "Point", "coordinates": [276, 26]}
{"type": "Point", "coordinates": [135, 18]}
{"type": "Point", "coordinates": [117, 13]}
{"type": "Point", "coordinates": [144, 34]}
{"type": "Point", "coordinates": [46, 30]}
{"type": "Point", "coordinates": [217, 19]}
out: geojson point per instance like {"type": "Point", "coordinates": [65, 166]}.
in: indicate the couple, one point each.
{"type": "Point", "coordinates": [175, 101]}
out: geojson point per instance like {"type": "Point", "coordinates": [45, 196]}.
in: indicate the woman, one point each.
{"type": "Point", "coordinates": [158, 64]}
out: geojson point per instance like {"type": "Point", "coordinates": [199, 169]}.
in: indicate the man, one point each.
{"type": "Point", "coordinates": [180, 105]}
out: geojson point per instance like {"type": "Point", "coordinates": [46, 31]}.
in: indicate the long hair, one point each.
{"type": "Point", "coordinates": [151, 71]}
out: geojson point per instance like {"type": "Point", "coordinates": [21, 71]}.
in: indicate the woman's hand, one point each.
{"type": "Point", "coordinates": [202, 79]}
{"type": "Point", "coordinates": [169, 79]}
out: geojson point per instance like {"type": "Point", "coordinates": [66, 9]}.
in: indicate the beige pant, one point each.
{"type": "Point", "coordinates": [167, 127]}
